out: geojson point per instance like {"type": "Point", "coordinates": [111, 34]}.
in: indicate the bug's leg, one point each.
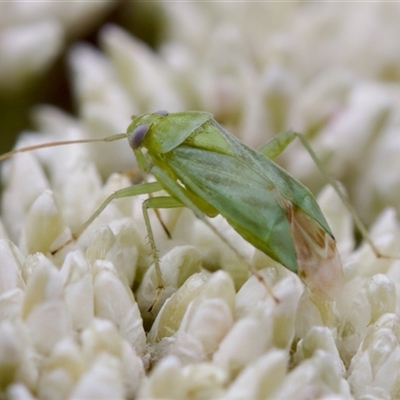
{"type": "Point", "coordinates": [277, 144]}
{"type": "Point", "coordinates": [179, 193]}
{"type": "Point", "coordinates": [151, 202]}
{"type": "Point", "coordinates": [156, 203]}
{"type": "Point", "coordinates": [357, 220]}
{"type": "Point", "coordinates": [160, 220]}
{"type": "Point", "coordinates": [144, 188]}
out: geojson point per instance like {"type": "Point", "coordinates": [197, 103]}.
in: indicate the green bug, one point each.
{"type": "Point", "coordinates": [205, 168]}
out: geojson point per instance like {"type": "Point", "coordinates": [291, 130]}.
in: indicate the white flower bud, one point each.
{"type": "Point", "coordinates": [176, 266]}
{"type": "Point", "coordinates": [44, 224]}
{"type": "Point", "coordinates": [339, 219]}
{"type": "Point", "coordinates": [78, 289]}
{"type": "Point", "coordinates": [205, 380]}
{"type": "Point", "coordinates": [148, 78]}
{"type": "Point", "coordinates": [165, 381]}
{"type": "Point", "coordinates": [25, 181]}
{"type": "Point", "coordinates": [44, 310]}
{"type": "Point", "coordinates": [216, 253]}
{"type": "Point", "coordinates": [373, 370]}
{"type": "Point", "coordinates": [381, 293]}
{"type": "Point", "coordinates": [248, 338]}
{"type": "Point", "coordinates": [61, 370]}
{"type": "Point", "coordinates": [319, 338]}
{"type": "Point", "coordinates": [102, 337]}
{"type": "Point", "coordinates": [114, 301]}
{"type": "Point", "coordinates": [16, 355]}
{"type": "Point", "coordinates": [11, 261]}
{"type": "Point", "coordinates": [170, 316]}
{"type": "Point", "coordinates": [19, 391]}
{"type": "Point", "coordinates": [11, 304]}
{"type": "Point", "coordinates": [208, 317]}
{"type": "Point", "coordinates": [314, 377]}
{"type": "Point", "coordinates": [102, 381]}
{"type": "Point", "coordinates": [261, 378]}
{"type": "Point", "coordinates": [26, 50]}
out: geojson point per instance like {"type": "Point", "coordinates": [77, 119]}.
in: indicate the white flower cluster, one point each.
{"type": "Point", "coordinates": [71, 325]}
{"type": "Point", "coordinates": [33, 34]}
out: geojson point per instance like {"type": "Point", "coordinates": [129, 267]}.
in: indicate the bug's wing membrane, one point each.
{"type": "Point", "coordinates": [289, 187]}
{"type": "Point", "coordinates": [248, 201]}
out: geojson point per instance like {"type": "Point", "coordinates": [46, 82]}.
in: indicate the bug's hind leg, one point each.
{"type": "Point", "coordinates": [279, 143]}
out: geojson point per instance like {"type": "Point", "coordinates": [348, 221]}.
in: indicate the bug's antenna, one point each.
{"type": "Point", "coordinates": [60, 143]}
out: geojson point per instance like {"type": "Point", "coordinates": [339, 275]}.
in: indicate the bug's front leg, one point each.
{"type": "Point", "coordinates": [144, 188]}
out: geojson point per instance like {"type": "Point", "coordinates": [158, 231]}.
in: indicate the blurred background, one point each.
{"type": "Point", "coordinates": [40, 35]}
{"type": "Point", "coordinates": [328, 69]}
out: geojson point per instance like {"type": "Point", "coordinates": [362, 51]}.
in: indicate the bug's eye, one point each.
{"type": "Point", "coordinates": [137, 135]}
{"type": "Point", "coordinates": [162, 113]}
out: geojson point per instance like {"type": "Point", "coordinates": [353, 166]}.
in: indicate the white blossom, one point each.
{"type": "Point", "coordinates": [33, 34]}
{"type": "Point", "coordinates": [85, 315]}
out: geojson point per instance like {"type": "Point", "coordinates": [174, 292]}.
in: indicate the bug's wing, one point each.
{"type": "Point", "coordinates": [288, 187]}
{"type": "Point", "coordinates": [291, 189]}
{"type": "Point", "coordinates": [250, 203]}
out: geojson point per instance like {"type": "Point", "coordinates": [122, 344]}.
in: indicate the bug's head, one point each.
{"type": "Point", "coordinates": [140, 127]}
